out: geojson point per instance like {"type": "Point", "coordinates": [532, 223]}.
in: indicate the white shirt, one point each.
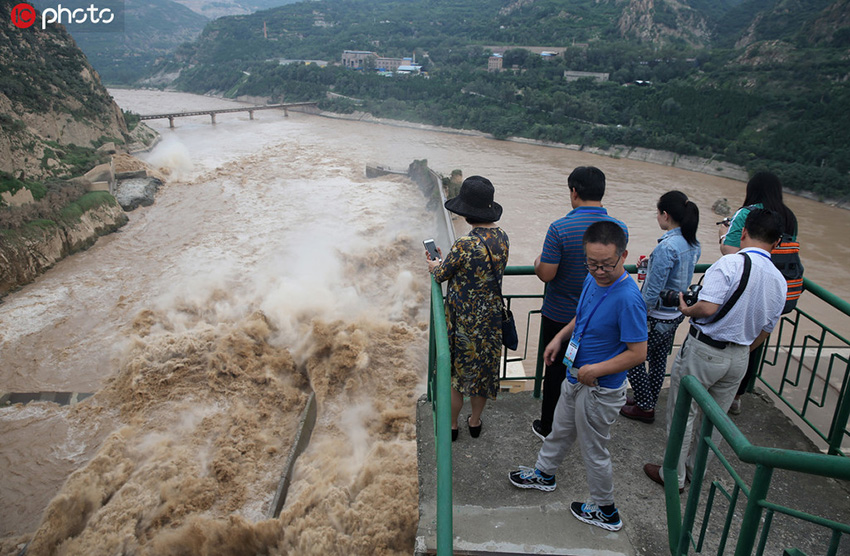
{"type": "Point", "coordinates": [759, 307]}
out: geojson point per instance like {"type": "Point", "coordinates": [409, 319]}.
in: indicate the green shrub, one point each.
{"type": "Point", "coordinates": [131, 119]}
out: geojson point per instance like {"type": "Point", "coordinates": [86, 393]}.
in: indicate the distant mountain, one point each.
{"type": "Point", "coordinates": [218, 8]}
{"type": "Point", "coordinates": [799, 22]}
{"type": "Point", "coordinates": [322, 29]}
{"type": "Point", "coordinates": [152, 29]}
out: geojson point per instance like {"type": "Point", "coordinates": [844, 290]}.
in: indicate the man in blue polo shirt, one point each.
{"type": "Point", "coordinates": [561, 266]}
{"type": "Point", "coordinates": [605, 339]}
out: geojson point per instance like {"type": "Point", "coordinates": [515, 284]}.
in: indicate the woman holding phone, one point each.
{"type": "Point", "coordinates": [474, 267]}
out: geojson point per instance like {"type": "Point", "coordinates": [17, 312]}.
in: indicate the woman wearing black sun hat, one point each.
{"type": "Point", "coordinates": [474, 268]}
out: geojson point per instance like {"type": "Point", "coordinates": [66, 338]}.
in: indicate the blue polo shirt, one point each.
{"type": "Point", "coordinates": [563, 247]}
{"type": "Point", "coordinates": [619, 319]}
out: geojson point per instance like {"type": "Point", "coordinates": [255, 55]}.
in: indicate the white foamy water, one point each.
{"type": "Point", "coordinates": [269, 263]}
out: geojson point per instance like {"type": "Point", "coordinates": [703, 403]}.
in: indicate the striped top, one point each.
{"type": "Point", "coordinates": [563, 247]}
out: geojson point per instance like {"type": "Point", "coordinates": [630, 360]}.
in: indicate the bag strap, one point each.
{"type": "Point", "coordinates": [745, 277]}
{"type": "Point", "coordinates": [490, 260]}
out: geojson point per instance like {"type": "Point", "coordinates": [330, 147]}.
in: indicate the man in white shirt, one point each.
{"type": "Point", "coordinates": [723, 330]}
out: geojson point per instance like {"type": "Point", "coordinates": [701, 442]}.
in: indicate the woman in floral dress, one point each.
{"type": "Point", "coordinates": [474, 269]}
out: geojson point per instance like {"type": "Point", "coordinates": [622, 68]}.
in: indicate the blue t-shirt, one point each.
{"type": "Point", "coordinates": [619, 319]}
{"type": "Point", "coordinates": [563, 247]}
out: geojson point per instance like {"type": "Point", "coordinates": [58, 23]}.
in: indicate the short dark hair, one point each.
{"type": "Point", "coordinates": [764, 225]}
{"type": "Point", "coordinates": [588, 182]}
{"type": "Point", "coordinates": [606, 233]}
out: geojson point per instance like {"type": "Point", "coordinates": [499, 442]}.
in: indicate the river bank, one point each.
{"type": "Point", "coordinates": [28, 252]}
{"type": "Point", "coordinates": [708, 166]}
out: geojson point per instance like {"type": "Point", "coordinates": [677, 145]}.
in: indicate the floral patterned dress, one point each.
{"type": "Point", "coordinates": [473, 309]}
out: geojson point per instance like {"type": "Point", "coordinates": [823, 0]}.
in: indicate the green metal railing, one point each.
{"type": "Point", "coordinates": [798, 335]}
{"type": "Point", "coordinates": [766, 460]}
{"type": "Point", "coordinates": [792, 363]}
{"type": "Point", "coordinates": [439, 394]}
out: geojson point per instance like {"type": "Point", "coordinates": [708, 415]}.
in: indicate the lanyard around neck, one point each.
{"type": "Point", "coordinates": [580, 332]}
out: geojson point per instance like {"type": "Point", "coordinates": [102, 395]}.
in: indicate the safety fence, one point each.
{"type": "Point", "coordinates": [766, 460]}
{"type": "Point", "coordinates": [806, 365]}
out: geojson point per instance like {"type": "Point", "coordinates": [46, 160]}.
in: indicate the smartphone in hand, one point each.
{"type": "Point", "coordinates": [431, 247]}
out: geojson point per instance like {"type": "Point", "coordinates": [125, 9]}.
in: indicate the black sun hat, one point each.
{"type": "Point", "coordinates": [475, 200]}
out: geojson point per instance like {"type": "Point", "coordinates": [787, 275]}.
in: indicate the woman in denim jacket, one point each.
{"type": "Point", "coordinates": [671, 267]}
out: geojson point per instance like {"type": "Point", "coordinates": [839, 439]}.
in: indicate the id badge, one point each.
{"type": "Point", "coordinates": [570, 356]}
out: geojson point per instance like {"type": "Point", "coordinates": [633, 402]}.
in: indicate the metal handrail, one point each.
{"type": "Point", "coordinates": [440, 396]}
{"type": "Point", "coordinates": [765, 459]}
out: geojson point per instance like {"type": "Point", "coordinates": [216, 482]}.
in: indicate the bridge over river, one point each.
{"type": "Point", "coordinates": [212, 113]}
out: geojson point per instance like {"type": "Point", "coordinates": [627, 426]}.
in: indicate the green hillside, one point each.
{"type": "Point", "coordinates": [761, 83]}
{"type": "Point", "coordinates": [152, 29]}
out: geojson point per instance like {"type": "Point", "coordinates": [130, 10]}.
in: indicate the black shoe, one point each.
{"type": "Point", "coordinates": [454, 435]}
{"type": "Point", "coordinates": [591, 514]}
{"type": "Point", "coordinates": [537, 429]}
{"type": "Point", "coordinates": [529, 477]}
{"type": "Point", "coordinates": [474, 432]}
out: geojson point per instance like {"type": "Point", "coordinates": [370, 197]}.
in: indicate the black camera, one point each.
{"type": "Point", "coordinates": [670, 298]}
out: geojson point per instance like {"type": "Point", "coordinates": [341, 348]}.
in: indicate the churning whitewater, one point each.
{"type": "Point", "coordinates": [253, 285]}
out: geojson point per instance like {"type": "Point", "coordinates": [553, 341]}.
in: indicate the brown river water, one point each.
{"type": "Point", "coordinates": [270, 265]}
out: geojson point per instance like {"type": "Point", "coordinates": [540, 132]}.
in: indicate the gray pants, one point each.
{"type": "Point", "coordinates": [719, 371]}
{"type": "Point", "coordinates": [585, 413]}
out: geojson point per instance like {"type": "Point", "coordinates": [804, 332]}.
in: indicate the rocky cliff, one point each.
{"type": "Point", "coordinates": [50, 99]}
{"type": "Point", "coordinates": [26, 253]}
{"type": "Point", "coordinates": [662, 22]}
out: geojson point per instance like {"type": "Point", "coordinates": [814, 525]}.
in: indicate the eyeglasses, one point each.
{"type": "Point", "coordinates": [602, 267]}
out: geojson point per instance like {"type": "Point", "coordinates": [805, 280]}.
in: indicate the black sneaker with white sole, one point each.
{"type": "Point", "coordinates": [591, 514]}
{"type": "Point", "coordinates": [537, 429]}
{"type": "Point", "coordinates": [529, 477]}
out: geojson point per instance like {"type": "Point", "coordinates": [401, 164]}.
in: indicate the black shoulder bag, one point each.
{"type": "Point", "coordinates": [510, 339]}
{"type": "Point", "coordinates": [745, 277]}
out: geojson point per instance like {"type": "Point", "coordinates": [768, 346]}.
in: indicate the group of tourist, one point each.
{"type": "Point", "coordinates": [602, 331]}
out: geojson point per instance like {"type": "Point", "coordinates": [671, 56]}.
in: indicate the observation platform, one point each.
{"type": "Point", "coordinates": [491, 516]}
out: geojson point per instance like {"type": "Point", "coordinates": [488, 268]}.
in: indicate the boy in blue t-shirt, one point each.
{"type": "Point", "coordinates": [606, 338]}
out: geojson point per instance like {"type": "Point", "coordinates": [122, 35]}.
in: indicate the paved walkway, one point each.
{"type": "Point", "coordinates": [492, 516]}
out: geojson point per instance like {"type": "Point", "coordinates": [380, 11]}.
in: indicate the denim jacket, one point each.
{"type": "Point", "coordinates": [671, 267]}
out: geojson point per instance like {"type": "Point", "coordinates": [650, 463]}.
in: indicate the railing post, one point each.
{"type": "Point", "coordinates": [700, 463]}
{"type": "Point", "coordinates": [539, 367]}
{"type": "Point", "coordinates": [432, 356]}
{"type": "Point", "coordinates": [752, 514]}
{"type": "Point", "coordinates": [442, 435]}
{"type": "Point", "coordinates": [677, 536]}
{"type": "Point", "coordinates": [842, 413]}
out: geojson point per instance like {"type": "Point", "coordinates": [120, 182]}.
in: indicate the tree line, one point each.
{"type": "Point", "coordinates": [792, 121]}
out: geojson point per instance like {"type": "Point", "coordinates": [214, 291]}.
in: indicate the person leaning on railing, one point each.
{"type": "Point", "coordinates": [764, 190]}
{"type": "Point", "coordinates": [474, 268]}
{"type": "Point", "coordinates": [671, 268]}
{"type": "Point", "coordinates": [561, 266]}
{"type": "Point", "coordinates": [738, 306]}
